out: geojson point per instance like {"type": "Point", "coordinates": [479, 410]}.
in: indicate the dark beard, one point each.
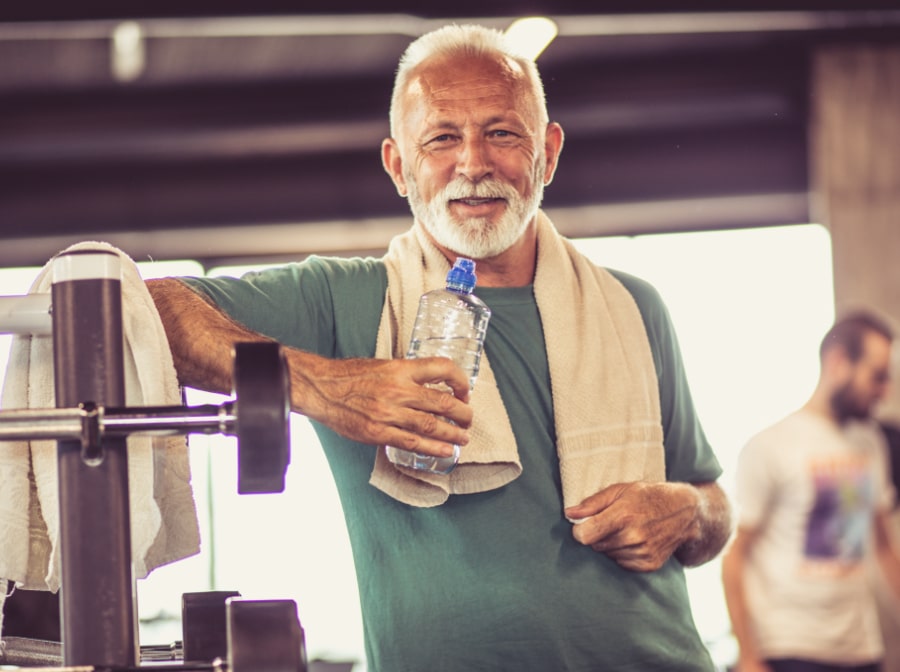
{"type": "Point", "coordinates": [845, 407]}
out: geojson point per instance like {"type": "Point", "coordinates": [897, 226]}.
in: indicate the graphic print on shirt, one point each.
{"type": "Point", "coordinates": [841, 515]}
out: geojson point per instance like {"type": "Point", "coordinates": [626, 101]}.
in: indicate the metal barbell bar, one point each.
{"type": "Point", "coordinates": [89, 421]}
{"type": "Point", "coordinates": [259, 416]}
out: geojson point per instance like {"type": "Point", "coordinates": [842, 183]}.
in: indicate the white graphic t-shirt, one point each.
{"type": "Point", "coordinates": [811, 489]}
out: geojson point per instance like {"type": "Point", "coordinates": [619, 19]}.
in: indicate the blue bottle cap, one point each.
{"type": "Point", "coordinates": [461, 277]}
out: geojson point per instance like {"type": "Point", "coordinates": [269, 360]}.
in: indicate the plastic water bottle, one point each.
{"type": "Point", "coordinates": [451, 322]}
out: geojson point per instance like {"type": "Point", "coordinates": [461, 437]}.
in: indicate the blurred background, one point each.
{"type": "Point", "coordinates": [233, 131]}
{"type": "Point", "coordinates": [746, 162]}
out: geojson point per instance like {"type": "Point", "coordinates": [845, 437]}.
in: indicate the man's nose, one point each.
{"type": "Point", "coordinates": [474, 160]}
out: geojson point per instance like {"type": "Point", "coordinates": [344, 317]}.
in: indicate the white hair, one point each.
{"type": "Point", "coordinates": [469, 40]}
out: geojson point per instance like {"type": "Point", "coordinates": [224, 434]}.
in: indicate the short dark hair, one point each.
{"type": "Point", "coordinates": [849, 333]}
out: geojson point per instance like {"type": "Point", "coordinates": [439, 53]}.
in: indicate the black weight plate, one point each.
{"type": "Point", "coordinates": [265, 636]}
{"type": "Point", "coordinates": [204, 633]}
{"type": "Point", "coordinates": [262, 422]}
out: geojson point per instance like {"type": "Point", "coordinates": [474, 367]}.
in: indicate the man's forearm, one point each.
{"type": "Point", "coordinates": [712, 526]}
{"type": "Point", "coordinates": [200, 337]}
{"type": "Point", "coordinates": [374, 401]}
{"type": "Point", "coordinates": [886, 553]}
{"type": "Point", "coordinates": [733, 570]}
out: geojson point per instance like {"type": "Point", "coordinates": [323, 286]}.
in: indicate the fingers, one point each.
{"type": "Point", "coordinates": [426, 432]}
{"type": "Point", "coordinates": [597, 502]}
{"type": "Point", "coordinates": [435, 417]}
{"type": "Point", "coordinates": [635, 559]}
{"type": "Point", "coordinates": [605, 527]}
{"type": "Point", "coordinates": [422, 396]}
{"type": "Point", "coordinates": [626, 543]}
{"type": "Point", "coordinates": [386, 402]}
{"type": "Point", "coordinates": [638, 525]}
{"type": "Point", "coordinates": [440, 371]}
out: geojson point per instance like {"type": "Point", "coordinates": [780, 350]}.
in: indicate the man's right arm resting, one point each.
{"type": "Point", "coordinates": [372, 401]}
{"type": "Point", "coordinates": [733, 571]}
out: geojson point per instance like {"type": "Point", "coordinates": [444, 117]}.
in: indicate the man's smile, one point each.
{"type": "Point", "coordinates": [477, 202]}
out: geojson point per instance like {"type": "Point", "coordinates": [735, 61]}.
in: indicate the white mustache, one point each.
{"type": "Point", "coordinates": [461, 188]}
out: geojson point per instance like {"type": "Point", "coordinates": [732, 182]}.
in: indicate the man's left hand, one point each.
{"type": "Point", "coordinates": [639, 525]}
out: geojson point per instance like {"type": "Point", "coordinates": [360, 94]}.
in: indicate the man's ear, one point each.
{"type": "Point", "coordinates": [553, 144]}
{"type": "Point", "coordinates": [393, 164]}
{"type": "Point", "coordinates": [836, 362]}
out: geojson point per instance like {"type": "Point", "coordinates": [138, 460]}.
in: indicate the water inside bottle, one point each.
{"type": "Point", "coordinates": [436, 465]}
{"type": "Point", "coordinates": [462, 350]}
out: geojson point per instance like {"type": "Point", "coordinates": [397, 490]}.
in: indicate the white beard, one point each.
{"type": "Point", "coordinates": [476, 237]}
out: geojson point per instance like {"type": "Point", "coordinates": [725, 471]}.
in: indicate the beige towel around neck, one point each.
{"type": "Point", "coordinates": [603, 379]}
{"type": "Point", "coordinates": [164, 525]}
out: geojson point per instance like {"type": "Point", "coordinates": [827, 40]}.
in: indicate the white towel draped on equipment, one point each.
{"type": "Point", "coordinates": [164, 524]}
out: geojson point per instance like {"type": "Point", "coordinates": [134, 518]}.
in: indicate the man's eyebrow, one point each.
{"type": "Point", "coordinates": [509, 120]}
{"type": "Point", "coordinates": [441, 123]}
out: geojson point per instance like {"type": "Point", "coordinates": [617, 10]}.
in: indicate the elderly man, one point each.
{"type": "Point", "coordinates": [585, 482]}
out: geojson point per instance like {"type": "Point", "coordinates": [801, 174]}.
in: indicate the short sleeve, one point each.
{"type": "Point", "coordinates": [753, 483]}
{"type": "Point", "coordinates": [304, 304]}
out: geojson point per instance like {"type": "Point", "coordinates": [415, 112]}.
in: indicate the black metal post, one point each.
{"type": "Point", "coordinates": [99, 626]}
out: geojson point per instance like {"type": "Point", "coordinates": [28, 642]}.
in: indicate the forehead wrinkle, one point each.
{"type": "Point", "coordinates": [447, 98]}
{"type": "Point", "coordinates": [475, 89]}
{"type": "Point", "coordinates": [444, 111]}
{"type": "Point", "coordinates": [442, 75]}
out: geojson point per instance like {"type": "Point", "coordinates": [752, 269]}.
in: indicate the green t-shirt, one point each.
{"type": "Point", "coordinates": [494, 580]}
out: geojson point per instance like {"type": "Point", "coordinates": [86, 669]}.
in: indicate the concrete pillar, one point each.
{"type": "Point", "coordinates": [855, 109]}
{"type": "Point", "coordinates": [855, 164]}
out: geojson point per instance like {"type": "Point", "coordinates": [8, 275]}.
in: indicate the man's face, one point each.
{"type": "Point", "coordinates": [867, 382]}
{"type": "Point", "coordinates": [474, 163]}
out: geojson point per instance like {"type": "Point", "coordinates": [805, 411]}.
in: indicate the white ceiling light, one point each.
{"type": "Point", "coordinates": [128, 51]}
{"type": "Point", "coordinates": [531, 35]}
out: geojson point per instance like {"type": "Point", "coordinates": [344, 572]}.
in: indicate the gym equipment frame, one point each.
{"type": "Point", "coordinates": [91, 423]}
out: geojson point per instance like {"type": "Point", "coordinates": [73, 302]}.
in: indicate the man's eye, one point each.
{"type": "Point", "coordinates": [443, 137]}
